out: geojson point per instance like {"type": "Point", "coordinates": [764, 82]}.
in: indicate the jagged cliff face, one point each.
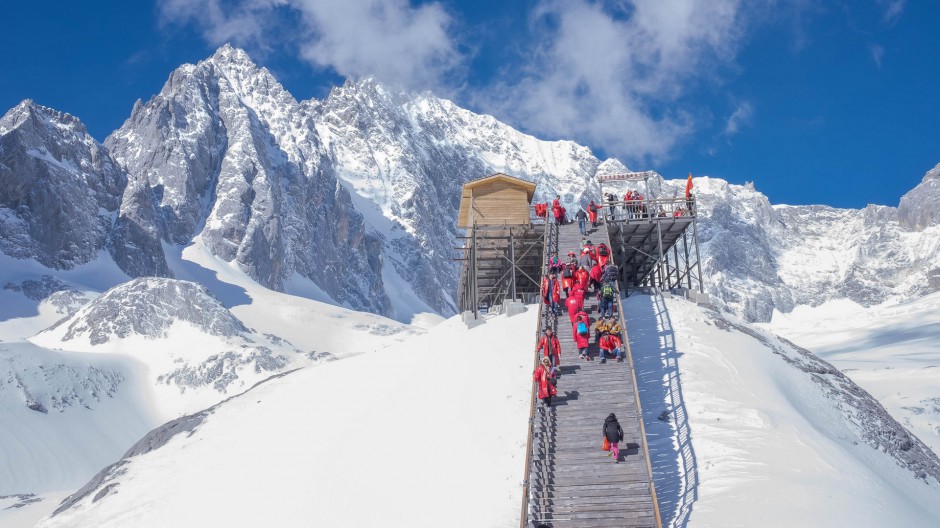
{"type": "Point", "coordinates": [58, 188]}
{"type": "Point", "coordinates": [920, 208]}
{"type": "Point", "coordinates": [407, 155]}
{"type": "Point", "coordinates": [62, 196]}
{"type": "Point", "coordinates": [758, 257]}
{"type": "Point", "coordinates": [233, 162]}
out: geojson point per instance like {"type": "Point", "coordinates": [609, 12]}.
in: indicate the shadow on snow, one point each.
{"type": "Point", "coordinates": [656, 360]}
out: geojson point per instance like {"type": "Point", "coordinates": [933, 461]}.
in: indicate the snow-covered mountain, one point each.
{"type": "Point", "coordinates": [406, 155]}
{"type": "Point", "coordinates": [358, 193]}
{"type": "Point", "coordinates": [148, 318]}
{"type": "Point", "coordinates": [759, 257]}
{"type": "Point", "coordinates": [235, 165]}
{"type": "Point", "coordinates": [115, 364]}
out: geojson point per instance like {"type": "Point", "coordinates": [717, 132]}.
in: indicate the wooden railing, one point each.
{"type": "Point", "coordinates": [546, 319]}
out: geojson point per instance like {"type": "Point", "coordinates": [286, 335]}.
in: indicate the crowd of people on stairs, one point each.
{"type": "Point", "coordinates": [590, 273]}
{"type": "Point", "coordinates": [565, 285]}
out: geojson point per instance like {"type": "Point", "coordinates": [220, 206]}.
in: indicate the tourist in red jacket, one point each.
{"type": "Point", "coordinates": [550, 347]}
{"type": "Point", "coordinates": [590, 250]}
{"type": "Point", "coordinates": [597, 273]}
{"type": "Point", "coordinates": [551, 292]}
{"type": "Point", "coordinates": [581, 339]}
{"type": "Point", "coordinates": [592, 213]}
{"type": "Point", "coordinates": [544, 375]}
{"type": "Point", "coordinates": [603, 254]}
{"type": "Point", "coordinates": [567, 275]}
{"type": "Point", "coordinates": [557, 210]}
{"type": "Point", "coordinates": [577, 291]}
{"type": "Point", "coordinates": [574, 303]}
{"type": "Point", "coordinates": [582, 277]}
{"type": "Point", "coordinates": [610, 343]}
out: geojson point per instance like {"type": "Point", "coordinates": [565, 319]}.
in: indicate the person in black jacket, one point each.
{"type": "Point", "coordinates": [582, 221]}
{"type": "Point", "coordinates": [614, 435]}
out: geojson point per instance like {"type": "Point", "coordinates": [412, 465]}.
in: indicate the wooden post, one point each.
{"type": "Point", "coordinates": [685, 246]}
{"type": "Point", "coordinates": [473, 261]}
{"type": "Point", "coordinates": [675, 252]}
{"type": "Point", "coordinates": [659, 238]}
{"type": "Point", "coordinates": [512, 258]}
{"type": "Point", "coordinates": [698, 258]}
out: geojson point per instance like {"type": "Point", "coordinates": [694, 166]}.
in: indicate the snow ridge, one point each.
{"type": "Point", "coordinates": [870, 419]}
{"type": "Point", "coordinates": [145, 315]}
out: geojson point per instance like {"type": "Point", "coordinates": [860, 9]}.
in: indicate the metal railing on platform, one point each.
{"type": "Point", "coordinates": [649, 209]}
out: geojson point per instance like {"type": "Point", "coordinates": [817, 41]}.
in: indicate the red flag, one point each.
{"type": "Point", "coordinates": [688, 186]}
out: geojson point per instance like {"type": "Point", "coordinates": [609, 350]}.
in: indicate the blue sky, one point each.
{"type": "Point", "coordinates": [815, 102]}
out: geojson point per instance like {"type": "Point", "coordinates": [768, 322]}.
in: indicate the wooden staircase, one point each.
{"type": "Point", "coordinates": [571, 481]}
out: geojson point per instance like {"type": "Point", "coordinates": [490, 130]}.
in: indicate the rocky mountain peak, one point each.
{"type": "Point", "coordinates": [58, 185]}
{"type": "Point", "coordinates": [39, 117]}
{"type": "Point", "coordinates": [232, 158]}
{"type": "Point", "coordinates": [40, 123]}
{"type": "Point", "coordinates": [149, 307]}
{"type": "Point", "coordinates": [920, 207]}
{"type": "Point", "coordinates": [231, 55]}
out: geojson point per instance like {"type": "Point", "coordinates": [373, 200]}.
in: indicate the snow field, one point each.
{"type": "Point", "coordinates": [892, 351]}
{"type": "Point", "coordinates": [303, 316]}
{"type": "Point", "coordinates": [769, 448]}
{"type": "Point", "coordinates": [430, 432]}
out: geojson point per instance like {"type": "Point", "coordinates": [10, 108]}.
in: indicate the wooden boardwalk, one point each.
{"type": "Point", "coordinates": [572, 482]}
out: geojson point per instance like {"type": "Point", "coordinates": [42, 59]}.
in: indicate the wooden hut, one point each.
{"type": "Point", "coordinates": [495, 200]}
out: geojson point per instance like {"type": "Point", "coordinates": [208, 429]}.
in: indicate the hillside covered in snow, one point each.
{"type": "Point", "coordinates": [772, 431]}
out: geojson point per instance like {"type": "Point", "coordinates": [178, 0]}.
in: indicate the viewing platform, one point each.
{"type": "Point", "coordinates": [655, 243]}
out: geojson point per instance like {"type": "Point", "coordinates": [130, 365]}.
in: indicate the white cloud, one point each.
{"type": "Point", "coordinates": [741, 117]}
{"type": "Point", "coordinates": [877, 54]}
{"type": "Point", "coordinates": [398, 43]}
{"type": "Point", "coordinates": [242, 23]}
{"type": "Point", "coordinates": [893, 10]}
{"type": "Point", "coordinates": [610, 74]}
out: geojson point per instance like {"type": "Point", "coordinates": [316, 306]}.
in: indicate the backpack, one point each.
{"type": "Point", "coordinates": [582, 328]}
{"type": "Point", "coordinates": [592, 208]}
{"type": "Point", "coordinates": [602, 250]}
{"type": "Point", "coordinates": [607, 291]}
{"type": "Point", "coordinates": [567, 273]}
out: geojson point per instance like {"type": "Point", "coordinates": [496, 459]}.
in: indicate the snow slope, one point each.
{"type": "Point", "coordinates": [892, 351]}
{"type": "Point", "coordinates": [101, 398]}
{"type": "Point", "coordinates": [427, 433]}
{"type": "Point", "coordinates": [747, 430]}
